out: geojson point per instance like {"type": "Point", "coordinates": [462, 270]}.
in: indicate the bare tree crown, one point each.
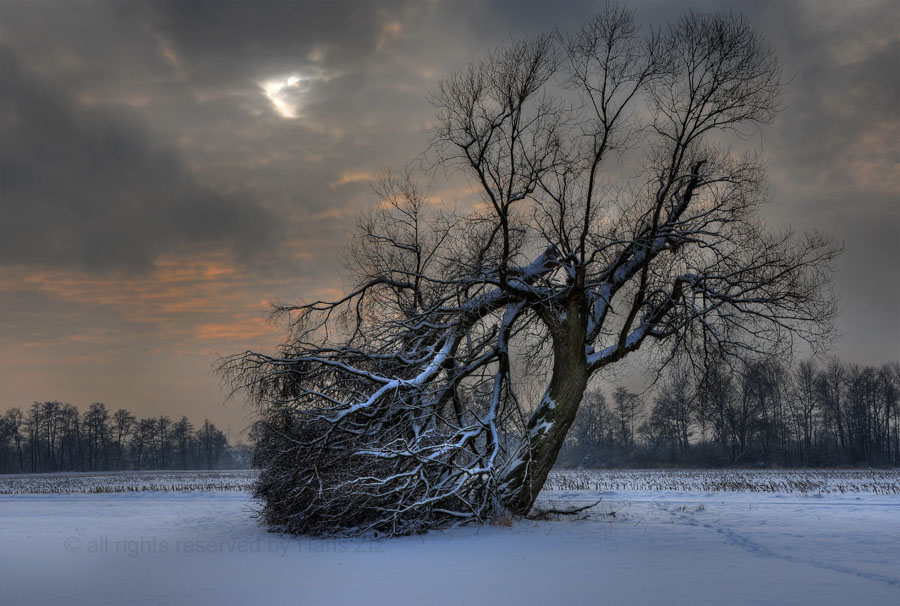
{"type": "Point", "coordinates": [614, 216]}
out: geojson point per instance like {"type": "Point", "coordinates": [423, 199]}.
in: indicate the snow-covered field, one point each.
{"type": "Point", "coordinates": [785, 481]}
{"type": "Point", "coordinates": [126, 481]}
{"type": "Point", "coordinates": [635, 547]}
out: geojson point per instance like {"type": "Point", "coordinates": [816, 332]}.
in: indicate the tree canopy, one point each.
{"type": "Point", "coordinates": [615, 216]}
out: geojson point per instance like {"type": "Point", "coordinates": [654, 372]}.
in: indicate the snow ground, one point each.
{"type": "Point", "coordinates": [660, 547]}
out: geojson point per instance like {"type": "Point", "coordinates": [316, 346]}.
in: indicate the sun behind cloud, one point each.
{"type": "Point", "coordinates": [284, 94]}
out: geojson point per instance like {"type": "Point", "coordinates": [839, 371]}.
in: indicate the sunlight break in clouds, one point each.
{"type": "Point", "coordinates": [284, 94]}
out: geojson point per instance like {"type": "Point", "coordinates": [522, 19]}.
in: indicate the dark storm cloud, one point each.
{"type": "Point", "coordinates": [224, 42]}
{"type": "Point", "coordinates": [91, 187]}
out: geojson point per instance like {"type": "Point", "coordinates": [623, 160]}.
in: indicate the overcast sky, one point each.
{"type": "Point", "coordinates": [167, 169]}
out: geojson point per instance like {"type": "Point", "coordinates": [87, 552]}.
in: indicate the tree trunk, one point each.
{"type": "Point", "coordinates": [525, 474]}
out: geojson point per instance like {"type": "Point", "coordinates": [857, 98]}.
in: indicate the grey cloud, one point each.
{"type": "Point", "coordinates": [91, 187]}
{"type": "Point", "coordinates": [844, 86]}
{"type": "Point", "coordinates": [227, 41]}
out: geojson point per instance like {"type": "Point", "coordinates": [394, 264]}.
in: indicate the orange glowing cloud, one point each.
{"type": "Point", "coordinates": [182, 302]}
{"type": "Point", "coordinates": [389, 31]}
{"type": "Point", "coordinates": [352, 176]}
{"type": "Point", "coordinates": [241, 328]}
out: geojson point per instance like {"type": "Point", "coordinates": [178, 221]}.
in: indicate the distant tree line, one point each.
{"type": "Point", "coordinates": [761, 413]}
{"type": "Point", "coordinates": [54, 436]}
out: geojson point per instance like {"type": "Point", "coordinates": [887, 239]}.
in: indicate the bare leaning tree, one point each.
{"type": "Point", "coordinates": [614, 216]}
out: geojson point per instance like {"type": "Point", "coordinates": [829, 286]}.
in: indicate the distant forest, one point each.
{"type": "Point", "coordinates": [761, 413]}
{"type": "Point", "coordinates": [53, 436]}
